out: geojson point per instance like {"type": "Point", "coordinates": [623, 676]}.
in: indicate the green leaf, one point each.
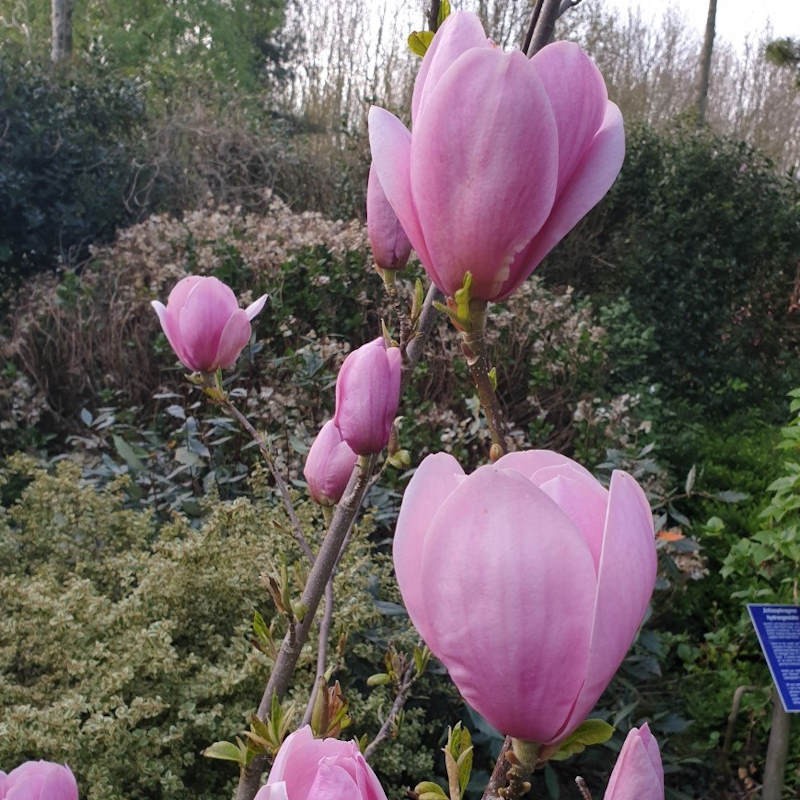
{"type": "Point", "coordinates": [593, 731]}
{"type": "Point", "coordinates": [420, 41]}
{"type": "Point", "coordinates": [690, 479]}
{"type": "Point", "coordinates": [444, 13]}
{"type": "Point", "coordinates": [551, 782]}
{"type": "Point", "coordinates": [428, 790]}
{"type": "Point", "coordinates": [226, 751]}
{"type": "Point", "coordinates": [127, 454]}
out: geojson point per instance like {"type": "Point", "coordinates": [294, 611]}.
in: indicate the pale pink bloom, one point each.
{"type": "Point", "coordinates": [367, 396]}
{"type": "Point", "coordinates": [320, 769]}
{"type": "Point", "coordinates": [638, 773]}
{"type": "Point", "coordinates": [505, 156]}
{"type": "Point", "coordinates": [528, 580]}
{"type": "Point", "coordinates": [39, 780]}
{"type": "Point", "coordinates": [388, 240]}
{"type": "Point", "coordinates": [329, 464]}
{"type": "Point", "coordinates": [204, 324]}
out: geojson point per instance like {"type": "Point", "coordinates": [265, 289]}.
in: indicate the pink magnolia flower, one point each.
{"type": "Point", "coordinates": [320, 769]}
{"type": "Point", "coordinates": [390, 245]}
{"type": "Point", "coordinates": [638, 774]}
{"type": "Point", "coordinates": [528, 580]}
{"type": "Point", "coordinates": [204, 324]}
{"type": "Point", "coordinates": [506, 155]}
{"type": "Point", "coordinates": [329, 463]}
{"type": "Point", "coordinates": [367, 396]}
{"type": "Point", "coordinates": [39, 780]}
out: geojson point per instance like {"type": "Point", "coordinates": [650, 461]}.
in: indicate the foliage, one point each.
{"type": "Point", "coordinates": [81, 360]}
{"type": "Point", "coordinates": [785, 53]}
{"type": "Point", "coordinates": [67, 152]}
{"type": "Point", "coordinates": [125, 644]}
{"type": "Point", "coordinates": [166, 44]}
{"type": "Point", "coordinates": [705, 238]}
{"type": "Point", "coordinates": [769, 558]}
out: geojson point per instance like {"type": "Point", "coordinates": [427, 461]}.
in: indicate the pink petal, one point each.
{"type": "Point", "coordinates": [296, 762]}
{"type": "Point", "coordinates": [638, 773]}
{"type": "Point", "coordinates": [584, 501]}
{"type": "Point", "coordinates": [235, 335]}
{"type": "Point", "coordinates": [459, 32]}
{"type": "Point", "coordinates": [388, 240]}
{"type": "Point", "coordinates": [37, 780]}
{"type": "Point", "coordinates": [578, 97]}
{"type": "Point", "coordinates": [255, 307]}
{"type": "Point", "coordinates": [276, 791]}
{"type": "Point", "coordinates": [590, 181]}
{"type": "Point", "coordinates": [531, 462]}
{"type": "Point", "coordinates": [390, 144]}
{"type": "Point", "coordinates": [170, 327]}
{"type": "Point", "coordinates": [484, 163]}
{"type": "Point", "coordinates": [180, 291]}
{"type": "Point", "coordinates": [509, 622]}
{"type": "Point", "coordinates": [202, 318]}
{"type": "Point", "coordinates": [626, 579]}
{"type": "Point", "coordinates": [436, 477]}
{"type": "Point", "coordinates": [59, 784]}
{"type": "Point", "coordinates": [333, 783]}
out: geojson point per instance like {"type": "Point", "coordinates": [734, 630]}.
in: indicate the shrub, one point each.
{"type": "Point", "coordinates": [125, 646]}
{"type": "Point", "coordinates": [68, 155]}
{"type": "Point", "coordinates": [704, 237]}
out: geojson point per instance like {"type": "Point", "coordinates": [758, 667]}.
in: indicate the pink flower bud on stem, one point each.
{"type": "Point", "coordinates": [638, 773]}
{"type": "Point", "coordinates": [388, 240]}
{"type": "Point", "coordinates": [367, 396]}
{"type": "Point", "coordinates": [307, 768]}
{"type": "Point", "coordinates": [39, 780]}
{"type": "Point", "coordinates": [204, 324]}
{"type": "Point", "coordinates": [469, 190]}
{"type": "Point", "coordinates": [329, 464]}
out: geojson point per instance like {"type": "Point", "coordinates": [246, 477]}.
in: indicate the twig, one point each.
{"type": "Point", "coordinates": [322, 646]}
{"type": "Point", "coordinates": [280, 484]}
{"type": "Point", "coordinates": [498, 777]}
{"type": "Point", "coordinates": [543, 21]}
{"type": "Point", "coordinates": [323, 568]}
{"type": "Point", "coordinates": [427, 319]}
{"type": "Point", "coordinates": [318, 577]}
{"type": "Point", "coordinates": [583, 788]}
{"type": "Point", "coordinates": [403, 691]}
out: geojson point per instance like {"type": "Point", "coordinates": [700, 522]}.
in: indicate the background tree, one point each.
{"type": "Point", "coordinates": [785, 53]}
{"type": "Point", "coordinates": [705, 63]}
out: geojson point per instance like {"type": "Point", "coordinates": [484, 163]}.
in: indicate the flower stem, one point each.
{"type": "Point", "coordinates": [215, 391]}
{"type": "Point", "coordinates": [473, 346]}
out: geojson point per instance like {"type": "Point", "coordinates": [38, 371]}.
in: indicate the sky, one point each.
{"type": "Point", "coordinates": [735, 18]}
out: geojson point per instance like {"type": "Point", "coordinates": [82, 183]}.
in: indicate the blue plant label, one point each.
{"type": "Point", "coordinates": [778, 631]}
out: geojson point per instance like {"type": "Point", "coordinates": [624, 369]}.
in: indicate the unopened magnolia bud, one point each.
{"type": "Point", "coordinates": [390, 245]}
{"type": "Point", "coordinates": [367, 396]}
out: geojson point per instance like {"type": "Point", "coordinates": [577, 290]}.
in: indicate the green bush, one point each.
{"type": "Point", "coordinates": [125, 645]}
{"type": "Point", "coordinates": [702, 236]}
{"type": "Point", "coordinates": [67, 161]}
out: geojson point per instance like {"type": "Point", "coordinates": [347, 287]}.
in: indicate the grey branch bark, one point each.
{"type": "Point", "coordinates": [705, 63]}
{"type": "Point", "coordinates": [543, 22]}
{"type": "Point", "coordinates": [61, 26]}
{"type": "Point", "coordinates": [293, 642]}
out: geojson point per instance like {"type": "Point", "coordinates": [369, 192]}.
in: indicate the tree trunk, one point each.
{"type": "Point", "coordinates": [705, 63]}
{"type": "Point", "coordinates": [61, 45]}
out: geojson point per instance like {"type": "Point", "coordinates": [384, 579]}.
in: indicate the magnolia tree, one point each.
{"type": "Point", "coordinates": [527, 579]}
